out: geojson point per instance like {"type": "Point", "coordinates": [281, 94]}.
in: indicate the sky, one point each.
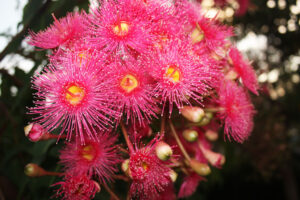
{"type": "Point", "coordinates": [10, 16]}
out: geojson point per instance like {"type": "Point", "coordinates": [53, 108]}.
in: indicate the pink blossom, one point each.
{"type": "Point", "coordinates": [76, 187]}
{"type": "Point", "coordinates": [97, 158]}
{"type": "Point", "coordinates": [189, 185]}
{"type": "Point", "coordinates": [120, 26]}
{"type": "Point", "coordinates": [150, 176]}
{"type": "Point", "coordinates": [180, 74]}
{"type": "Point", "coordinates": [236, 111]}
{"type": "Point", "coordinates": [74, 97]}
{"type": "Point", "coordinates": [131, 89]}
{"type": "Point", "coordinates": [244, 70]}
{"type": "Point", "coordinates": [61, 32]}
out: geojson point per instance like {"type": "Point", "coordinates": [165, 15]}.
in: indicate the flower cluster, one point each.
{"type": "Point", "coordinates": [127, 63]}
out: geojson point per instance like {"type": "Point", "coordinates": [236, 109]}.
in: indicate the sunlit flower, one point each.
{"type": "Point", "coordinates": [131, 89]}
{"type": "Point", "coordinates": [120, 26]}
{"type": "Point", "coordinates": [180, 75]}
{"type": "Point", "coordinates": [61, 32]}
{"type": "Point", "coordinates": [74, 97]}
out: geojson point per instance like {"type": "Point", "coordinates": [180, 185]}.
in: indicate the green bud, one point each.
{"type": "Point", "coordinates": [190, 135]}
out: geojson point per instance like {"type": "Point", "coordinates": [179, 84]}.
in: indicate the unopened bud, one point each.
{"type": "Point", "coordinates": [33, 170]}
{"type": "Point", "coordinates": [215, 159]}
{"type": "Point", "coordinates": [194, 114]}
{"type": "Point", "coordinates": [211, 135]}
{"type": "Point", "coordinates": [197, 35]}
{"type": "Point", "coordinates": [190, 135]}
{"type": "Point", "coordinates": [163, 151]}
{"type": "Point", "coordinates": [200, 168]}
{"type": "Point", "coordinates": [231, 75]}
{"type": "Point", "coordinates": [206, 119]}
{"type": "Point", "coordinates": [173, 175]}
{"type": "Point", "coordinates": [98, 188]}
{"type": "Point", "coordinates": [34, 132]}
{"type": "Point", "coordinates": [125, 167]}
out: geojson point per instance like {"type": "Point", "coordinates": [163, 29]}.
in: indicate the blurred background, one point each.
{"type": "Point", "coordinates": [267, 166]}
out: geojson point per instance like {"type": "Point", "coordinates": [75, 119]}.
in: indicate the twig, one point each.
{"type": "Point", "coordinates": [112, 194]}
{"type": "Point", "coordinates": [121, 177]}
{"type": "Point", "coordinates": [185, 154]}
{"type": "Point", "coordinates": [129, 144]}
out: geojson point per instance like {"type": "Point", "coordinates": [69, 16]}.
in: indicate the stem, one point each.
{"type": "Point", "coordinates": [213, 110]}
{"type": "Point", "coordinates": [123, 150]}
{"type": "Point", "coordinates": [47, 173]}
{"type": "Point", "coordinates": [163, 122]}
{"type": "Point", "coordinates": [121, 177]}
{"type": "Point", "coordinates": [112, 194]}
{"type": "Point", "coordinates": [129, 144]}
{"type": "Point", "coordinates": [48, 136]}
{"type": "Point", "coordinates": [185, 154]}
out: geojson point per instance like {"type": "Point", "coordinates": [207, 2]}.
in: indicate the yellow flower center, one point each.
{"type": "Point", "coordinates": [88, 152]}
{"type": "Point", "coordinates": [121, 29]}
{"type": "Point", "coordinates": [197, 35]}
{"type": "Point", "coordinates": [74, 95]}
{"type": "Point", "coordinates": [173, 74]}
{"type": "Point", "coordinates": [145, 166]}
{"type": "Point", "coordinates": [129, 83]}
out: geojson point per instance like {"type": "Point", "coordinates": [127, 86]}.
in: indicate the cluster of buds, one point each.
{"type": "Point", "coordinates": [126, 64]}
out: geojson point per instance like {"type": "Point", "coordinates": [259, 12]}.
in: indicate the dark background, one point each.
{"type": "Point", "coordinates": [267, 166]}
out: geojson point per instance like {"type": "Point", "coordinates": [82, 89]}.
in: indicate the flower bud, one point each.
{"type": "Point", "coordinates": [197, 35]}
{"type": "Point", "coordinates": [190, 135]}
{"type": "Point", "coordinates": [163, 151]}
{"type": "Point", "coordinates": [193, 114]}
{"type": "Point", "coordinates": [206, 119]}
{"type": "Point", "coordinates": [211, 135]}
{"type": "Point", "coordinates": [173, 175]}
{"type": "Point", "coordinates": [201, 169]}
{"type": "Point", "coordinates": [33, 170]}
{"type": "Point", "coordinates": [231, 75]}
{"type": "Point", "coordinates": [98, 188]}
{"type": "Point", "coordinates": [215, 159]}
{"type": "Point", "coordinates": [125, 167]}
{"type": "Point", "coordinates": [34, 132]}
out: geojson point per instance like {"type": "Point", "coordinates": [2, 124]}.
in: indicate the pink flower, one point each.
{"type": "Point", "coordinates": [120, 26]}
{"type": "Point", "coordinates": [189, 185]}
{"type": "Point", "coordinates": [179, 75]}
{"type": "Point", "coordinates": [236, 111]}
{"type": "Point", "coordinates": [96, 158]}
{"type": "Point", "coordinates": [131, 90]}
{"type": "Point", "coordinates": [168, 193]}
{"type": "Point", "coordinates": [73, 97]}
{"type": "Point", "coordinates": [61, 32]}
{"type": "Point", "coordinates": [76, 187]}
{"type": "Point", "coordinates": [210, 34]}
{"type": "Point", "coordinates": [244, 70]}
{"type": "Point", "coordinates": [150, 176]}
